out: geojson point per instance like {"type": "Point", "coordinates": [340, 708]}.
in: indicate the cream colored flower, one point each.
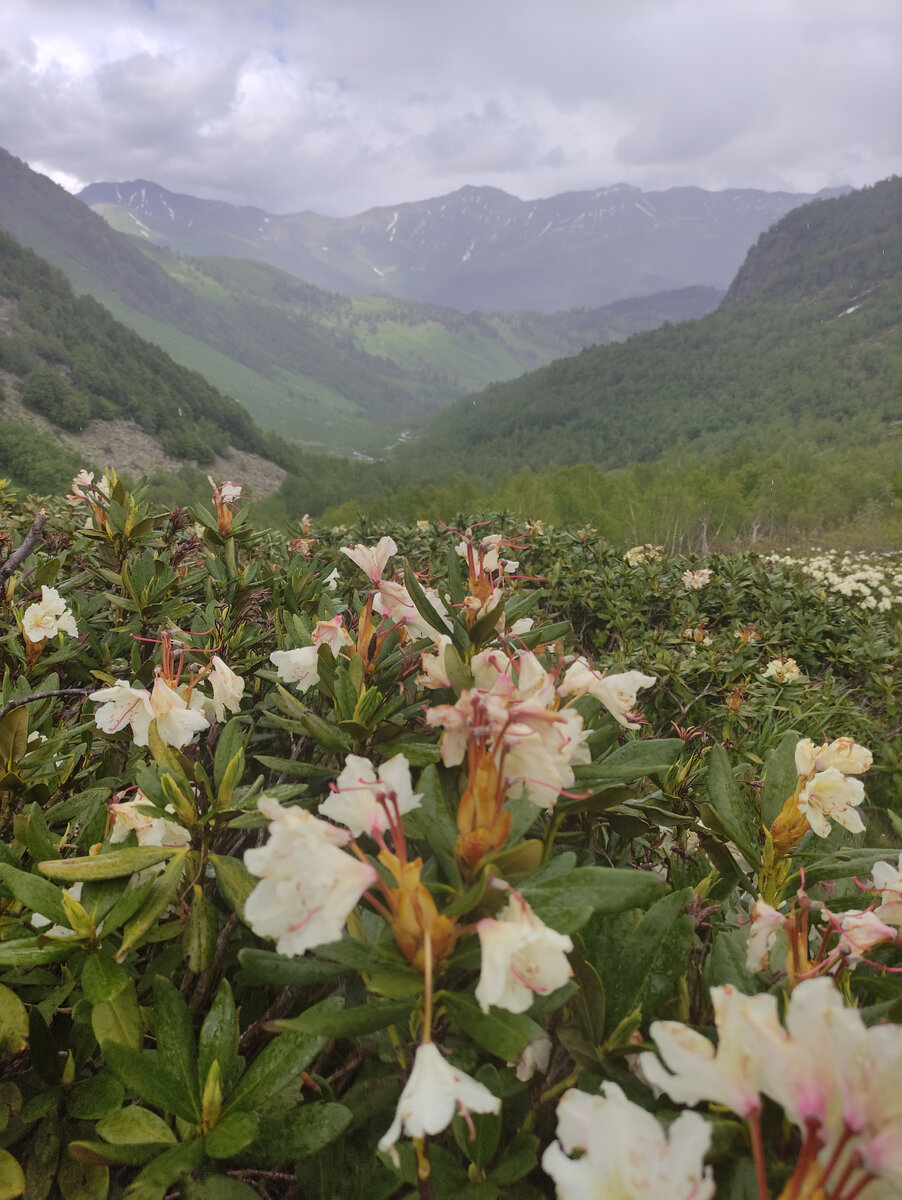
{"type": "Point", "coordinates": [48, 616]}
{"type": "Point", "coordinates": [120, 705]}
{"type": "Point", "coordinates": [728, 1074]}
{"type": "Point", "coordinates": [372, 560]}
{"type": "Point", "coordinates": [308, 885]}
{"type": "Point", "coordinates": [521, 958]}
{"type": "Point", "coordinates": [432, 1095]}
{"type": "Point", "coordinates": [626, 1155]}
{"type": "Point", "coordinates": [176, 722]}
{"type": "Point", "coordinates": [135, 816]}
{"type": "Point", "coordinates": [369, 801]}
{"type": "Point", "coordinates": [433, 672]}
{"type": "Point", "coordinates": [228, 688]}
{"type": "Point", "coordinates": [332, 634]}
{"type": "Point", "coordinates": [844, 754]}
{"type": "Point", "coordinates": [782, 670]}
{"type": "Point", "coordinates": [297, 666]}
{"type": "Point", "coordinates": [832, 796]}
{"type": "Point", "coordinates": [616, 692]}
{"type": "Point", "coordinates": [888, 881]}
{"type": "Point", "coordinates": [696, 579]}
{"type": "Point", "coordinates": [766, 924]}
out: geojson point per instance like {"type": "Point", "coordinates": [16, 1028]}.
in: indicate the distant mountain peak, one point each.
{"type": "Point", "coordinates": [479, 247]}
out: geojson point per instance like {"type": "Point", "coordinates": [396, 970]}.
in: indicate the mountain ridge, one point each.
{"type": "Point", "coordinates": [477, 247]}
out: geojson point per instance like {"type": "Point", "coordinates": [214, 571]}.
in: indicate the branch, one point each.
{"type": "Point", "coordinates": [31, 540]}
{"type": "Point", "coordinates": [42, 696]}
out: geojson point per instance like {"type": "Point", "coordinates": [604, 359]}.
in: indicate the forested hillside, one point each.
{"type": "Point", "coordinates": [65, 358]}
{"type": "Point", "coordinates": [809, 345]}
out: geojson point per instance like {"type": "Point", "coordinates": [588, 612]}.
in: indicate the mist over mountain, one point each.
{"type": "Point", "coordinates": [477, 248]}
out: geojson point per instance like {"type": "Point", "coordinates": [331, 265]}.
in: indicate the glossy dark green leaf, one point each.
{"type": "Point", "coordinates": [502, 1033]}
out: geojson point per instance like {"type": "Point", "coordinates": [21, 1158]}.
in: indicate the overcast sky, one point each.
{"type": "Point", "coordinates": [338, 105]}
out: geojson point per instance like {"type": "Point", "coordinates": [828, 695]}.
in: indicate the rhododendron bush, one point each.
{"type": "Point", "coordinates": [481, 862]}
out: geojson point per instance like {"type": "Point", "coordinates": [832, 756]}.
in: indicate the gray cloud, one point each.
{"type": "Point", "coordinates": [340, 105]}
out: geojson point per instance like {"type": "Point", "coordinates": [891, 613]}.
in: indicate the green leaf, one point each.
{"type": "Point", "coordinates": [637, 759]}
{"type": "Point", "coordinates": [13, 736]}
{"type": "Point", "coordinates": [218, 1187]}
{"type": "Point", "coordinates": [95, 1097]}
{"type": "Point", "coordinates": [265, 966]}
{"type": "Point", "coordinates": [734, 810]}
{"type": "Point", "coordinates": [112, 865]}
{"type": "Point", "coordinates": [233, 1133]}
{"type": "Point", "coordinates": [566, 902]}
{"type": "Point", "coordinates": [102, 978]}
{"type": "Point", "coordinates": [652, 962]}
{"type": "Point", "coordinates": [228, 744]}
{"type": "Point", "coordinates": [218, 1040]}
{"type": "Point", "coordinates": [27, 952]}
{"type": "Point", "coordinates": [436, 822]}
{"type": "Point", "coordinates": [174, 1032]}
{"type": "Point", "coordinates": [160, 895]}
{"type": "Point", "coordinates": [349, 1022]}
{"type": "Point", "coordinates": [841, 864]}
{"type": "Point", "coordinates": [80, 1181]}
{"type": "Point", "coordinates": [272, 1081]}
{"type": "Point", "coordinates": [92, 1153]}
{"type": "Point", "coordinates": [422, 603]}
{"type": "Point", "coordinates": [166, 1169]}
{"type": "Point", "coordinates": [502, 1033]}
{"type": "Point", "coordinates": [13, 1023]}
{"type": "Point", "coordinates": [134, 1125]}
{"type": "Point", "coordinates": [519, 1158]}
{"type": "Point", "coordinates": [305, 1130]}
{"type": "Point", "coordinates": [201, 931]}
{"type": "Point", "coordinates": [35, 893]}
{"type": "Point", "coordinates": [780, 778]}
{"type": "Point", "coordinates": [235, 881]}
{"type": "Point", "coordinates": [142, 1072]}
{"type": "Point", "coordinates": [118, 1020]}
{"type": "Point", "coordinates": [12, 1177]}
{"type": "Point", "coordinates": [726, 962]}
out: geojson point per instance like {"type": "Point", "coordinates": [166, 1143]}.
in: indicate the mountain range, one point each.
{"type": "Point", "coordinates": [331, 371]}
{"type": "Point", "coordinates": [476, 248]}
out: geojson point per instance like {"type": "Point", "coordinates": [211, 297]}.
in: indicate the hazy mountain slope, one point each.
{"type": "Point", "coordinates": [809, 345]}
{"type": "Point", "coordinates": [75, 382]}
{"type": "Point", "coordinates": [477, 248]}
{"type": "Point", "coordinates": [333, 372]}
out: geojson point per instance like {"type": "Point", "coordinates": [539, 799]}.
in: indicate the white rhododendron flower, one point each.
{"type": "Point", "coordinates": [48, 616]}
{"type": "Point", "coordinates": [626, 1155]}
{"type": "Point", "coordinates": [136, 816]}
{"type": "Point", "coordinates": [297, 666]}
{"type": "Point", "coordinates": [372, 560]}
{"type": "Point", "coordinates": [727, 1074]}
{"type": "Point", "coordinates": [394, 601]}
{"type": "Point", "coordinates": [860, 932]}
{"type": "Point", "coordinates": [120, 705]}
{"type": "Point", "coordinates": [308, 885]}
{"type": "Point", "coordinates": [177, 722]}
{"type": "Point", "coordinates": [332, 634]}
{"type": "Point", "coordinates": [432, 1095]}
{"type": "Point", "coordinates": [433, 673]}
{"type": "Point", "coordinates": [844, 754]}
{"type": "Point", "coordinates": [534, 1057]}
{"type": "Point", "coordinates": [782, 670]}
{"type": "Point", "coordinates": [696, 579]}
{"type": "Point", "coordinates": [521, 957]}
{"type": "Point", "coordinates": [832, 796]}
{"type": "Point", "coordinates": [369, 801]}
{"type": "Point", "coordinates": [616, 692]}
{"type": "Point", "coordinates": [228, 688]}
{"type": "Point", "coordinates": [888, 882]}
{"type": "Point", "coordinates": [767, 922]}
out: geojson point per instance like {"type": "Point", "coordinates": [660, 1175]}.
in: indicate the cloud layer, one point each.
{"type": "Point", "coordinates": [337, 105]}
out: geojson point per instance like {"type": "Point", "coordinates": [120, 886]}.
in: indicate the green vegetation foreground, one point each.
{"type": "Point", "coordinates": [409, 862]}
